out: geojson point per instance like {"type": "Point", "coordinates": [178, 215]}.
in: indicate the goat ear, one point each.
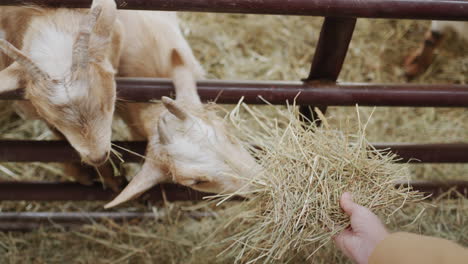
{"type": "Point", "coordinates": [148, 177]}
{"type": "Point", "coordinates": [10, 78]}
{"type": "Point", "coordinates": [174, 108]}
{"type": "Point", "coordinates": [176, 59]}
{"type": "Point", "coordinates": [183, 77]}
{"type": "Point", "coordinates": [106, 21]}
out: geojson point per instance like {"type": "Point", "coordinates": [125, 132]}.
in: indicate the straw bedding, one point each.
{"type": "Point", "coordinates": [176, 239]}
{"type": "Point", "coordinates": [273, 48]}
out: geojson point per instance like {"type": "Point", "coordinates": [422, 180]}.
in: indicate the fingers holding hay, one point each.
{"type": "Point", "coordinates": [305, 171]}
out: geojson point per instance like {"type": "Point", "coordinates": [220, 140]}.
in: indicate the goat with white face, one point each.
{"type": "Point", "coordinates": [418, 61]}
{"type": "Point", "coordinates": [188, 143]}
{"type": "Point", "coordinates": [66, 60]}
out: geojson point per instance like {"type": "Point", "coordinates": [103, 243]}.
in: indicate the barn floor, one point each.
{"type": "Point", "coordinates": [273, 48]}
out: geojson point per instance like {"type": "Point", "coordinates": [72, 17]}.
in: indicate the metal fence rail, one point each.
{"type": "Point", "coordinates": [61, 151]}
{"type": "Point", "coordinates": [403, 9]}
{"type": "Point", "coordinates": [308, 93]}
{"type": "Point", "coordinates": [67, 191]}
{"type": "Point", "coordinates": [59, 191]}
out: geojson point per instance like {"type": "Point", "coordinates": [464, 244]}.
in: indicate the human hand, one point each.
{"type": "Point", "coordinates": [366, 231]}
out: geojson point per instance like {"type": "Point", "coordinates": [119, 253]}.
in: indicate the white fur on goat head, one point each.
{"type": "Point", "coordinates": [203, 155]}
{"type": "Point", "coordinates": [67, 65]}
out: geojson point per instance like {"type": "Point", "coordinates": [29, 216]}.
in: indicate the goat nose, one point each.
{"type": "Point", "coordinates": [98, 161]}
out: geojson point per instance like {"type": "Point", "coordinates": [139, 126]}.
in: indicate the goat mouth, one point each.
{"type": "Point", "coordinates": [97, 162]}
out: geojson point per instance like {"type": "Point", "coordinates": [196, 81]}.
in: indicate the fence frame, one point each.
{"type": "Point", "coordinates": [319, 89]}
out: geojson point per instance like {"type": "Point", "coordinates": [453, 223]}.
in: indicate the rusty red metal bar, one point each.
{"type": "Point", "coordinates": [57, 151]}
{"type": "Point", "coordinates": [61, 151]}
{"type": "Point", "coordinates": [428, 153]}
{"type": "Point", "coordinates": [313, 93]}
{"type": "Point", "coordinates": [332, 47]}
{"type": "Point", "coordinates": [405, 9]}
{"type": "Point", "coordinates": [67, 191]}
{"type": "Point", "coordinates": [62, 191]}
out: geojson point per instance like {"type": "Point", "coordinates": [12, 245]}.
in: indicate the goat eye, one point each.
{"type": "Point", "coordinates": [198, 182]}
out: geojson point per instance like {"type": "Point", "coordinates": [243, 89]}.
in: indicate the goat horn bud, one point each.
{"type": "Point", "coordinates": [174, 108]}
{"type": "Point", "coordinates": [30, 67]}
{"type": "Point", "coordinates": [80, 57]}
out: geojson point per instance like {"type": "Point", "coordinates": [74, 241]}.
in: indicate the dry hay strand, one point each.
{"type": "Point", "coordinates": [294, 201]}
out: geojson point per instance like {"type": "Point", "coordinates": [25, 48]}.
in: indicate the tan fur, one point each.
{"type": "Point", "coordinates": [188, 143]}
{"type": "Point", "coordinates": [84, 113]}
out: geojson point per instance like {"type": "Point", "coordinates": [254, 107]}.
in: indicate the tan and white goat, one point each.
{"type": "Point", "coordinates": [188, 144]}
{"type": "Point", "coordinates": [418, 61]}
{"type": "Point", "coordinates": [66, 60]}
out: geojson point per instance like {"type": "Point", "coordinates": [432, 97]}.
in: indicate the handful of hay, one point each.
{"type": "Point", "coordinates": [294, 201]}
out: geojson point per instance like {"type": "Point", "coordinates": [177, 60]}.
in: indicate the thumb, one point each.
{"type": "Point", "coordinates": [347, 204]}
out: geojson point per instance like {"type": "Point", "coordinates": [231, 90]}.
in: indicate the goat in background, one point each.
{"type": "Point", "coordinates": [418, 61]}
